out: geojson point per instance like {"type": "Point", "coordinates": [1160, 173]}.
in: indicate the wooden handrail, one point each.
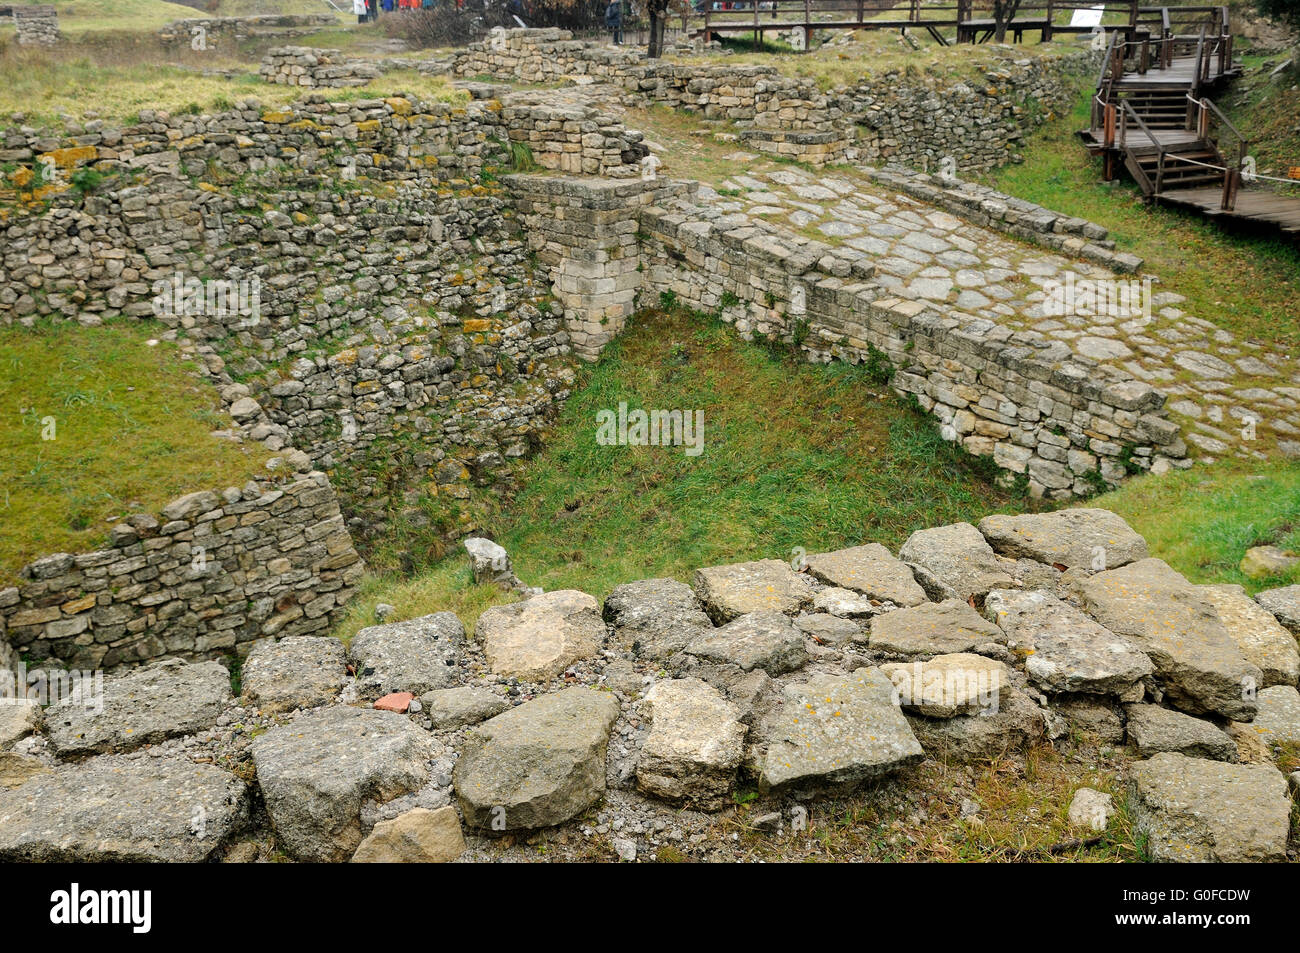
{"type": "Point", "coordinates": [1160, 147]}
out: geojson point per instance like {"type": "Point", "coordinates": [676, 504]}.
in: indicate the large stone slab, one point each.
{"type": "Point", "coordinates": [833, 730]}
{"type": "Point", "coordinates": [655, 617]}
{"type": "Point", "coordinates": [316, 771]}
{"type": "Point", "coordinates": [766, 640]}
{"type": "Point", "coordinates": [1278, 718]}
{"type": "Point", "coordinates": [768, 585]}
{"type": "Point", "coordinates": [870, 570]}
{"type": "Point", "coordinates": [950, 685]}
{"type": "Point", "coordinates": [301, 671]}
{"type": "Point", "coordinates": [1284, 604]}
{"type": "Point", "coordinates": [935, 628]}
{"type": "Point", "coordinates": [538, 764]}
{"type": "Point", "coordinates": [957, 556]}
{"type": "Point", "coordinates": [453, 707]}
{"type": "Point", "coordinates": [694, 746]}
{"type": "Point", "coordinates": [1083, 537]}
{"type": "Point", "coordinates": [1197, 811]}
{"type": "Point", "coordinates": [1017, 724]}
{"type": "Point", "coordinates": [143, 706]}
{"type": "Point", "coordinates": [419, 836]}
{"type": "Point", "coordinates": [540, 637]}
{"type": "Point", "coordinates": [1064, 650]}
{"type": "Point", "coordinates": [1197, 662]}
{"type": "Point", "coordinates": [827, 629]}
{"type": "Point", "coordinates": [111, 808]}
{"type": "Point", "coordinates": [1152, 729]}
{"type": "Point", "coordinates": [1259, 636]}
{"type": "Point", "coordinates": [414, 656]}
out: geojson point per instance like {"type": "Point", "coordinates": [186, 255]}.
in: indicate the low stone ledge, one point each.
{"type": "Point", "coordinates": [990, 208]}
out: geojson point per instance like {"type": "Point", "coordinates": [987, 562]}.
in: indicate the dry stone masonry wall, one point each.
{"type": "Point", "coordinates": [635, 721]}
{"type": "Point", "coordinates": [305, 66]}
{"type": "Point", "coordinates": [397, 339]}
{"type": "Point", "coordinates": [36, 26]}
{"type": "Point", "coordinates": [895, 117]}
{"type": "Point", "coordinates": [211, 573]}
{"type": "Point", "coordinates": [396, 298]}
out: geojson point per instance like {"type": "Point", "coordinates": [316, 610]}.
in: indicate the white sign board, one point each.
{"type": "Point", "coordinates": [1088, 17]}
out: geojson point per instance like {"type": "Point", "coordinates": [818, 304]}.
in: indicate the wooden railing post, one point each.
{"type": "Point", "coordinates": [1047, 29]}
{"type": "Point", "coordinates": [1231, 180]}
{"type": "Point", "coordinates": [1109, 120]}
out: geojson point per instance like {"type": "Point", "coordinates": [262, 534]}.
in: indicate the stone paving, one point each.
{"type": "Point", "coordinates": [1216, 382]}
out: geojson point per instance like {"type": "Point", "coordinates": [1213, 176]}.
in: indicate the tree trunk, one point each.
{"type": "Point", "coordinates": [656, 47]}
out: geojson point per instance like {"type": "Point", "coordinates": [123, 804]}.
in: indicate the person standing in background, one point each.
{"type": "Point", "coordinates": [359, 8]}
{"type": "Point", "coordinates": [614, 20]}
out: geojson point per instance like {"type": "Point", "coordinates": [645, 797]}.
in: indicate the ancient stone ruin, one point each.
{"type": "Point", "coordinates": [36, 25]}
{"type": "Point", "coordinates": [644, 715]}
{"type": "Point", "coordinates": [426, 279]}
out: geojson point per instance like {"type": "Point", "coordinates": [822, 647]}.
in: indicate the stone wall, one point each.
{"type": "Point", "coordinates": [572, 138]}
{"type": "Point", "coordinates": [919, 120]}
{"type": "Point", "coordinates": [585, 231]}
{"type": "Point", "coordinates": [215, 29]}
{"type": "Point", "coordinates": [213, 571]}
{"type": "Point", "coordinates": [400, 343]}
{"type": "Point", "coordinates": [305, 66]}
{"type": "Point", "coordinates": [978, 125]}
{"type": "Point", "coordinates": [1066, 423]}
{"type": "Point", "coordinates": [785, 116]}
{"type": "Point", "coordinates": [36, 25]}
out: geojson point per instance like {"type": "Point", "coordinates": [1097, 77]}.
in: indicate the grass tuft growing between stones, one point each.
{"type": "Point", "coordinates": [794, 455]}
{"type": "Point", "coordinates": [129, 428]}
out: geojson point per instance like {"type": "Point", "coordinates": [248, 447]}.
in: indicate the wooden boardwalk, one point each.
{"type": "Point", "coordinates": [1152, 116]}
{"type": "Point", "coordinates": [947, 21]}
{"type": "Point", "coordinates": [1254, 205]}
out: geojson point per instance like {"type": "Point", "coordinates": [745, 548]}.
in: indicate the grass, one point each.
{"type": "Point", "coordinates": [118, 79]}
{"type": "Point", "coordinates": [1267, 111]}
{"type": "Point", "coordinates": [78, 17]}
{"type": "Point", "coordinates": [1202, 521]}
{"type": "Point", "coordinates": [795, 455]}
{"type": "Point", "coordinates": [866, 468]}
{"type": "Point", "coordinates": [130, 425]}
{"type": "Point", "coordinates": [1023, 815]}
{"type": "Point", "coordinates": [1244, 284]}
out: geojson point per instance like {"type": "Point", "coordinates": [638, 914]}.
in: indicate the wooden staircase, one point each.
{"type": "Point", "coordinates": [1152, 117]}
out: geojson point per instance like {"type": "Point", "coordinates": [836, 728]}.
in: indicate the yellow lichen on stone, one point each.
{"type": "Point", "coordinates": [68, 158]}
